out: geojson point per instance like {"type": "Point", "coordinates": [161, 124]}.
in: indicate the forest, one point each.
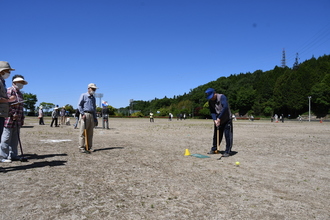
{"type": "Point", "coordinates": [282, 90]}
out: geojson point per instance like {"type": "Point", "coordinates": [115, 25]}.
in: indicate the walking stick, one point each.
{"type": "Point", "coordinates": [22, 159]}
{"type": "Point", "coordinates": [86, 139]}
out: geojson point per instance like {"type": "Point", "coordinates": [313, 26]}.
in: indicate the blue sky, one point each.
{"type": "Point", "coordinates": [146, 49]}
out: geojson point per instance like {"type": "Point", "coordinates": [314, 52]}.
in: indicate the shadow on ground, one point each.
{"type": "Point", "coordinates": [33, 165]}
{"type": "Point", "coordinates": [38, 157]}
{"type": "Point", "coordinates": [108, 148]}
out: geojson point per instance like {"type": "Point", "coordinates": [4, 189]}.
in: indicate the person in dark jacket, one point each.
{"type": "Point", "coordinates": [54, 117]}
{"type": "Point", "coordinates": [76, 115]}
{"type": "Point", "coordinates": [222, 119]}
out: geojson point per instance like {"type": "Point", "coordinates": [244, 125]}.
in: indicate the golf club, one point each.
{"type": "Point", "coordinates": [218, 142]}
{"type": "Point", "coordinates": [86, 139]}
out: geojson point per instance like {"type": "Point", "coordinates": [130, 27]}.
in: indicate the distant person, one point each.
{"type": "Point", "coordinates": [41, 115]}
{"type": "Point", "coordinates": [221, 116]}
{"type": "Point", "coordinates": [282, 118]}
{"type": "Point", "coordinates": [151, 115]}
{"type": "Point", "coordinates": [170, 116]}
{"type": "Point", "coordinates": [5, 71]}
{"type": "Point", "coordinates": [76, 115]}
{"type": "Point", "coordinates": [62, 115]}
{"type": "Point", "coordinates": [54, 117]}
{"type": "Point", "coordinates": [105, 117]}
{"type": "Point", "coordinates": [14, 121]}
{"type": "Point", "coordinates": [88, 119]}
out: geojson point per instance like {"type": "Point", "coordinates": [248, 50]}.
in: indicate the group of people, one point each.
{"type": "Point", "coordinates": [11, 113]}
{"type": "Point", "coordinates": [12, 117]}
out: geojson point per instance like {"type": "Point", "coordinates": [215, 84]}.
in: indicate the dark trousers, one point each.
{"type": "Point", "coordinates": [54, 120]}
{"type": "Point", "coordinates": [41, 121]}
{"type": "Point", "coordinates": [105, 123]}
{"type": "Point", "coordinates": [226, 128]}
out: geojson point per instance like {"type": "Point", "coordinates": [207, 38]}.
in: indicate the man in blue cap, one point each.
{"type": "Point", "coordinates": [221, 116]}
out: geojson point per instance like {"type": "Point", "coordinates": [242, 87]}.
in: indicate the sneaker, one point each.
{"type": "Point", "coordinates": [84, 151]}
{"type": "Point", "coordinates": [16, 158]}
{"type": "Point", "coordinates": [5, 161]}
{"type": "Point", "coordinates": [225, 155]}
{"type": "Point", "coordinates": [213, 152]}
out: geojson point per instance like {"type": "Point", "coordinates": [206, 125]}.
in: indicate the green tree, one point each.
{"type": "Point", "coordinates": [30, 102]}
{"type": "Point", "coordinates": [69, 108]}
{"type": "Point", "coordinates": [111, 110]}
{"type": "Point", "coordinates": [321, 97]}
{"type": "Point", "coordinates": [46, 106]}
{"type": "Point", "coordinates": [137, 114]}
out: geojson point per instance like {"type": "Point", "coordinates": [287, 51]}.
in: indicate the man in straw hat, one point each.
{"type": "Point", "coordinates": [14, 121]}
{"type": "Point", "coordinates": [88, 119]}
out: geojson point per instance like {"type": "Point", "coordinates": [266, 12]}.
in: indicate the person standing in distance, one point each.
{"type": "Point", "coordinates": [88, 119]}
{"type": "Point", "coordinates": [41, 116]}
{"type": "Point", "coordinates": [5, 70]}
{"type": "Point", "coordinates": [221, 116]}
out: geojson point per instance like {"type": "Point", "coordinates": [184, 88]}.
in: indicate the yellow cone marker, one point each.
{"type": "Point", "coordinates": [187, 153]}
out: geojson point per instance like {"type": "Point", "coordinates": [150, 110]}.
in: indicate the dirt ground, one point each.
{"type": "Point", "coordinates": [139, 171]}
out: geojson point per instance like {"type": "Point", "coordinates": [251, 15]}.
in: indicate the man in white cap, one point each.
{"type": "Point", "coordinates": [14, 121]}
{"type": "Point", "coordinates": [88, 119]}
{"type": "Point", "coordinates": [5, 70]}
{"type": "Point", "coordinates": [54, 117]}
{"type": "Point", "coordinates": [41, 115]}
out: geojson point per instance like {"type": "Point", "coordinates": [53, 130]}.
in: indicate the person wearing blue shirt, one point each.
{"type": "Point", "coordinates": [221, 115]}
{"type": "Point", "coordinates": [88, 119]}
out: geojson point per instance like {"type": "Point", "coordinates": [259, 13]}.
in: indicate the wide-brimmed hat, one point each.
{"type": "Point", "coordinates": [5, 66]}
{"type": "Point", "coordinates": [19, 79]}
{"type": "Point", "coordinates": [92, 85]}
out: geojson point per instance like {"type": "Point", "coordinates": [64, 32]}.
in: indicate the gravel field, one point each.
{"type": "Point", "coordinates": [139, 171]}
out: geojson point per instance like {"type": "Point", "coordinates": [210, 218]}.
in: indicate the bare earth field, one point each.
{"type": "Point", "coordinates": [139, 171]}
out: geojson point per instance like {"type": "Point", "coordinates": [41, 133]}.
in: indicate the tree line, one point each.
{"type": "Point", "coordinates": [282, 90]}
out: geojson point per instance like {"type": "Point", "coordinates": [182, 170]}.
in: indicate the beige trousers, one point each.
{"type": "Point", "coordinates": [87, 124]}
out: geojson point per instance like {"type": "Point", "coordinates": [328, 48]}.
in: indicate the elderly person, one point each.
{"type": "Point", "coordinates": [14, 121]}
{"type": "Point", "coordinates": [221, 115]}
{"type": "Point", "coordinates": [41, 115]}
{"type": "Point", "coordinates": [5, 70]}
{"type": "Point", "coordinates": [88, 119]}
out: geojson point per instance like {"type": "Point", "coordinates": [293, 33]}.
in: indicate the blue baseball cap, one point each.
{"type": "Point", "coordinates": [209, 93]}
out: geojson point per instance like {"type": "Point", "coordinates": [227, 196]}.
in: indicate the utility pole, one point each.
{"type": "Point", "coordinates": [283, 61]}
{"type": "Point", "coordinates": [296, 63]}
{"type": "Point", "coordinates": [309, 101]}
